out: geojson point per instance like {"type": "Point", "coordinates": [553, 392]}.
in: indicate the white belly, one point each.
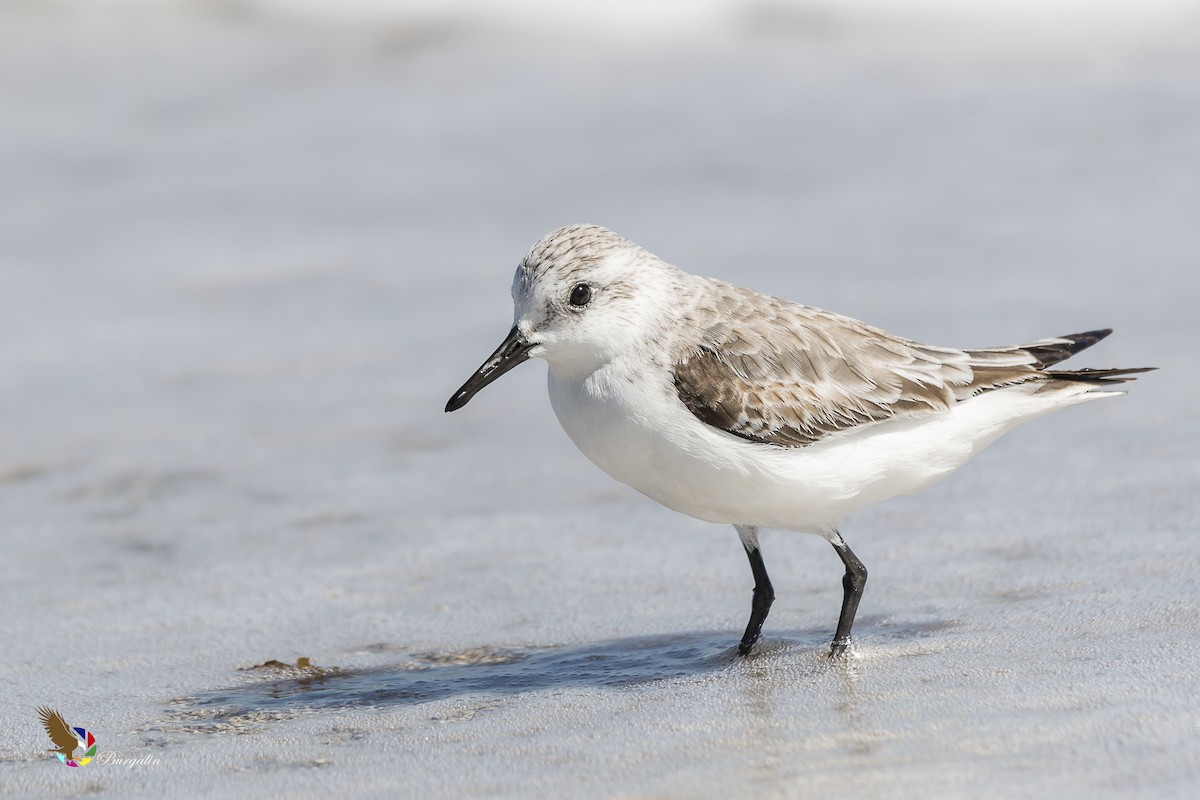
{"type": "Point", "coordinates": [640, 434]}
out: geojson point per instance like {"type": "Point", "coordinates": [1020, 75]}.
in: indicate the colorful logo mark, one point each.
{"type": "Point", "coordinates": [67, 739]}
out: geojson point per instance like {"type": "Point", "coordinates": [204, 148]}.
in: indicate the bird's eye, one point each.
{"type": "Point", "coordinates": [581, 295]}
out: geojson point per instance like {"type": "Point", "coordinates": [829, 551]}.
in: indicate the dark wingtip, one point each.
{"type": "Point", "coordinates": [1084, 340]}
{"type": "Point", "coordinates": [1089, 338]}
{"type": "Point", "coordinates": [456, 402]}
{"type": "Point", "coordinates": [1052, 353]}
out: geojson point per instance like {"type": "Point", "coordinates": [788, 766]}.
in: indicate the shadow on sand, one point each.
{"type": "Point", "coordinates": [500, 671]}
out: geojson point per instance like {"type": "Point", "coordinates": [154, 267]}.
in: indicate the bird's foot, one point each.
{"type": "Point", "coordinates": [837, 650]}
{"type": "Point", "coordinates": [746, 645]}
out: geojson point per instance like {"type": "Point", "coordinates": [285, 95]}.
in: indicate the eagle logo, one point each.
{"type": "Point", "coordinates": [67, 739]}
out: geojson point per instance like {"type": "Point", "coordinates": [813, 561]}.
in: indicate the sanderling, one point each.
{"type": "Point", "coordinates": [733, 406]}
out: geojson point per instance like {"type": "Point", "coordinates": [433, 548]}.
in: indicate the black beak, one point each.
{"type": "Point", "coordinates": [511, 352]}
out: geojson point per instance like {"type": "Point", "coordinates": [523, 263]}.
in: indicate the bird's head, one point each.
{"type": "Point", "coordinates": [581, 297]}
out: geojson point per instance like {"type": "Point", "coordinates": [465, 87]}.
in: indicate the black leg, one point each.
{"type": "Point", "coordinates": [764, 593]}
{"type": "Point", "coordinates": [852, 586]}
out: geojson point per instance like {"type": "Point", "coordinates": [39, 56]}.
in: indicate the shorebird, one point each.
{"type": "Point", "coordinates": [735, 407]}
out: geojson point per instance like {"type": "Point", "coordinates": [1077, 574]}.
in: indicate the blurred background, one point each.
{"type": "Point", "coordinates": [248, 248]}
{"type": "Point", "coordinates": [229, 225]}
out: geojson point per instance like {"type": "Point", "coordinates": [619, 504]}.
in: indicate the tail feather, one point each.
{"type": "Point", "coordinates": [1098, 376]}
{"type": "Point", "coordinates": [995, 367]}
{"type": "Point", "coordinates": [1048, 354]}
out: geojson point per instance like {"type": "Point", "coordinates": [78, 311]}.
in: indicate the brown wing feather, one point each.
{"type": "Point", "coordinates": [58, 730]}
{"type": "Point", "coordinates": [789, 375]}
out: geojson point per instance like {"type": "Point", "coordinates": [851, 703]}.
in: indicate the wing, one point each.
{"type": "Point", "coordinates": [789, 375]}
{"type": "Point", "coordinates": [57, 729]}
